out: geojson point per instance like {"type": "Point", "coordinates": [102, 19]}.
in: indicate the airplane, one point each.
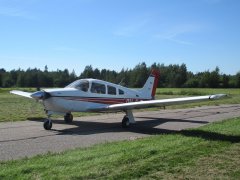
{"type": "Point", "coordinates": [93, 95]}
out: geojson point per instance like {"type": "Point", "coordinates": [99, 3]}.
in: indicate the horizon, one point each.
{"type": "Point", "coordinates": [148, 66]}
{"type": "Point", "coordinates": [113, 35]}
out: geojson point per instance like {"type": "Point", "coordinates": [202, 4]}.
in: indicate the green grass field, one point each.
{"type": "Point", "coordinates": [209, 152]}
{"type": "Point", "coordinates": [16, 108]}
{"type": "Point", "coordinates": [233, 96]}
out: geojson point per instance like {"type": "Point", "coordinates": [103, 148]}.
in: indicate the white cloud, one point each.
{"type": "Point", "coordinates": [10, 11]}
{"type": "Point", "coordinates": [64, 48]}
{"type": "Point", "coordinates": [131, 28]}
{"type": "Point", "coordinates": [212, 1]}
{"type": "Point", "coordinates": [17, 8]}
{"type": "Point", "coordinates": [174, 34]}
{"type": "Point", "coordinates": [180, 41]}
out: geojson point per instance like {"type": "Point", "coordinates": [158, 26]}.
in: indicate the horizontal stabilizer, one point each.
{"type": "Point", "coordinates": [21, 93]}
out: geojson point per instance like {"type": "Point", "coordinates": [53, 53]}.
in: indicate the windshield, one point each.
{"type": "Point", "coordinates": [82, 85]}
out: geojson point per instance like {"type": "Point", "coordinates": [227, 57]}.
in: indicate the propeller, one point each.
{"type": "Point", "coordinates": [40, 95]}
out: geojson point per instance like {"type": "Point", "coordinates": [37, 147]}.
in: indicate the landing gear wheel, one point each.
{"type": "Point", "coordinates": [47, 124]}
{"type": "Point", "coordinates": [125, 122]}
{"type": "Point", "coordinates": [68, 118]}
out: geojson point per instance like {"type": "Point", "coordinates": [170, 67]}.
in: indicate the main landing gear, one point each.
{"type": "Point", "coordinates": [128, 119]}
{"type": "Point", "coordinates": [125, 122]}
{"type": "Point", "coordinates": [68, 118]}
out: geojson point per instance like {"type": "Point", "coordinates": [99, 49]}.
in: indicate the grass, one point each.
{"type": "Point", "coordinates": [16, 108]}
{"type": "Point", "coordinates": [209, 152]}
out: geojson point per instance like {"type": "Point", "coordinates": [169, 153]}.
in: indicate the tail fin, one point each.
{"type": "Point", "coordinates": [149, 89]}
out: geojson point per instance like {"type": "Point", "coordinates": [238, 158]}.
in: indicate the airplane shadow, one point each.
{"type": "Point", "coordinates": [147, 126]}
{"type": "Point", "coordinates": [211, 136]}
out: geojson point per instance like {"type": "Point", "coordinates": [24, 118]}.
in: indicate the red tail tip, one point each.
{"type": "Point", "coordinates": [156, 74]}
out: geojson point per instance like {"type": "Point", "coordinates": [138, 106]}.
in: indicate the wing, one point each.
{"type": "Point", "coordinates": [163, 102]}
{"type": "Point", "coordinates": [21, 93]}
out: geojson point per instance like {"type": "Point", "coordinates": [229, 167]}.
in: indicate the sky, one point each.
{"type": "Point", "coordinates": [116, 34]}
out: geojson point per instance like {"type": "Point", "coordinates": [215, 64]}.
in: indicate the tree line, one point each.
{"type": "Point", "coordinates": [172, 75]}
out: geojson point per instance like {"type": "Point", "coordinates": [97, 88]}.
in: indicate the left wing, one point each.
{"type": "Point", "coordinates": [162, 102]}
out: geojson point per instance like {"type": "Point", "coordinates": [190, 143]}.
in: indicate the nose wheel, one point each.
{"type": "Point", "coordinates": [47, 124]}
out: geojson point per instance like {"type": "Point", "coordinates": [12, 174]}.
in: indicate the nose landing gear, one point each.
{"type": "Point", "coordinates": [47, 124]}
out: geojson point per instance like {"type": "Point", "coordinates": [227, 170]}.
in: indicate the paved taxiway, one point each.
{"type": "Point", "coordinates": [28, 138]}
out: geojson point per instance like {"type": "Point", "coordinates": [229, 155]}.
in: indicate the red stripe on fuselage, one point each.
{"type": "Point", "coordinates": [103, 100]}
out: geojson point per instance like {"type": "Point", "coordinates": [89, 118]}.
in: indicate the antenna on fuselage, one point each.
{"type": "Point", "coordinates": [121, 82]}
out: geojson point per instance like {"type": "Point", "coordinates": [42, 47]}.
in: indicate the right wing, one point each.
{"type": "Point", "coordinates": [162, 102]}
{"type": "Point", "coordinates": [21, 93]}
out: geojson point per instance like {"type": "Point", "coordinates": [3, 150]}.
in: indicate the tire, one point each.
{"type": "Point", "coordinates": [125, 122]}
{"type": "Point", "coordinates": [68, 118]}
{"type": "Point", "coordinates": [47, 124]}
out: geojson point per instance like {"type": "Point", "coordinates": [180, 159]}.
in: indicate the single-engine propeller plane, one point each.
{"type": "Point", "coordinates": [92, 95]}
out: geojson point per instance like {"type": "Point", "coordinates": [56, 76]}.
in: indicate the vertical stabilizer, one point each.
{"type": "Point", "coordinates": [149, 89]}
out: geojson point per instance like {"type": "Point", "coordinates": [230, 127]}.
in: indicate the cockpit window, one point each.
{"type": "Point", "coordinates": [120, 92]}
{"type": "Point", "coordinates": [82, 85]}
{"type": "Point", "coordinates": [98, 88]}
{"type": "Point", "coordinates": [111, 90]}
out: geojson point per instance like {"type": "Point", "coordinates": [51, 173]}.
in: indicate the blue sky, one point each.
{"type": "Point", "coordinates": [119, 34]}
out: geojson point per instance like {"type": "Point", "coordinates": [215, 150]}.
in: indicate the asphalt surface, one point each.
{"type": "Point", "coordinates": [28, 138]}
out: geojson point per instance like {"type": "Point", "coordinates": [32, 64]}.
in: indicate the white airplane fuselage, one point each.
{"type": "Point", "coordinates": [72, 99]}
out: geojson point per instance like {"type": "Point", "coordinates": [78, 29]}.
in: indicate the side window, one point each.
{"type": "Point", "coordinates": [83, 86]}
{"type": "Point", "coordinates": [111, 90]}
{"type": "Point", "coordinates": [120, 92]}
{"type": "Point", "coordinates": [98, 88]}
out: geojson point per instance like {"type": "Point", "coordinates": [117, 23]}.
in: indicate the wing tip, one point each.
{"type": "Point", "coordinates": [13, 91]}
{"type": "Point", "coordinates": [217, 96]}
